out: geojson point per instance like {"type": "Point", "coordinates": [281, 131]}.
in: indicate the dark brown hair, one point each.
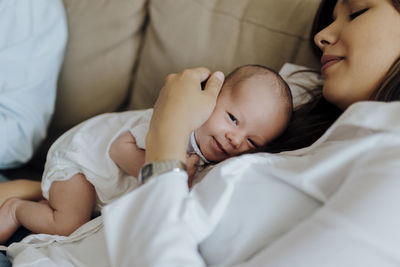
{"type": "Point", "coordinates": [312, 119]}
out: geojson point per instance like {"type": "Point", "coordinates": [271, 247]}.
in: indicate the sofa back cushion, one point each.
{"type": "Point", "coordinates": [104, 38]}
{"type": "Point", "coordinates": [221, 35]}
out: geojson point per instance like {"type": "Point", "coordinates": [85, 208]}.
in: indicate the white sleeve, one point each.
{"type": "Point", "coordinates": [161, 223]}
{"type": "Point", "coordinates": [139, 132]}
{"type": "Point", "coordinates": [146, 227]}
{"type": "Point", "coordinates": [141, 128]}
{"type": "Point", "coordinates": [33, 36]}
{"type": "Point", "coordinates": [358, 226]}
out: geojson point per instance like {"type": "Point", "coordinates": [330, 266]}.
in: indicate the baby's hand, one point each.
{"type": "Point", "coordinates": [191, 163]}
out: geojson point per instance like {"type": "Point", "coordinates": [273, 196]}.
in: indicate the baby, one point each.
{"type": "Point", "coordinates": [97, 161]}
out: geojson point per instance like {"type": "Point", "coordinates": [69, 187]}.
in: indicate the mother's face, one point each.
{"type": "Point", "coordinates": [358, 47]}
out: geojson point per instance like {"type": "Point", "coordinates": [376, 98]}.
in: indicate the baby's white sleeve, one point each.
{"type": "Point", "coordinates": [139, 132]}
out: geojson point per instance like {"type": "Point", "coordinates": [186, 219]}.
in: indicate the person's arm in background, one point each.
{"type": "Point", "coordinates": [148, 227]}
{"type": "Point", "coordinates": [33, 36]}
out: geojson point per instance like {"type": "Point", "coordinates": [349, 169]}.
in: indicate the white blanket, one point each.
{"type": "Point", "coordinates": [334, 203]}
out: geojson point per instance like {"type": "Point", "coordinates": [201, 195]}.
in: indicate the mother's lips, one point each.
{"type": "Point", "coordinates": [328, 61]}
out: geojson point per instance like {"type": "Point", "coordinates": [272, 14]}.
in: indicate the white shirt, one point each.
{"type": "Point", "coordinates": [334, 203]}
{"type": "Point", "coordinates": [33, 35]}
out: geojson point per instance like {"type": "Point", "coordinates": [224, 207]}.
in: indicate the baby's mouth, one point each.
{"type": "Point", "coordinates": [220, 147]}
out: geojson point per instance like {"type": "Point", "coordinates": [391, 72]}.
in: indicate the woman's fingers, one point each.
{"type": "Point", "coordinates": [214, 83]}
{"type": "Point", "coordinates": [182, 102]}
{"type": "Point", "coordinates": [201, 73]}
{"type": "Point", "coordinates": [181, 107]}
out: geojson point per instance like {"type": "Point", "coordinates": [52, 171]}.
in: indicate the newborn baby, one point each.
{"type": "Point", "coordinates": [98, 160]}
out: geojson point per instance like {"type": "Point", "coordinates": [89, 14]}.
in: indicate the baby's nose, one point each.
{"type": "Point", "coordinates": [235, 139]}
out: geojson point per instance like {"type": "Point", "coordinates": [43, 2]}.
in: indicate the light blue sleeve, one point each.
{"type": "Point", "coordinates": [33, 36]}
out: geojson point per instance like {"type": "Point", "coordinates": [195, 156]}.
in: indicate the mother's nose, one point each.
{"type": "Point", "coordinates": [326, 37]}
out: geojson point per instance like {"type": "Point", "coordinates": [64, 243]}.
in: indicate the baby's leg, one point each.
{"type": "Point", "coordinates": [23, 189]}
{"type": "Point", "coordinates": [70, 205]}
{"type": "Point", "coordinates": [8, 222]}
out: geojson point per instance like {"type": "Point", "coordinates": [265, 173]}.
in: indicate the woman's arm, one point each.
{"type": "Point", "coordinates": [125, 153]}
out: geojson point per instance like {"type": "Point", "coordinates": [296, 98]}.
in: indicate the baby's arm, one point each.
{"type": "Point", "coordinates": [125, 153]}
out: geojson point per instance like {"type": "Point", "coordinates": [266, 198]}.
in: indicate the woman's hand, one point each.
{"type": "Point", "coordinates": [181, 107]}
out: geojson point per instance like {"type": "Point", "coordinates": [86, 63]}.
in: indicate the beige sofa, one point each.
{"type": "Point", "coordinates": [119, 51]}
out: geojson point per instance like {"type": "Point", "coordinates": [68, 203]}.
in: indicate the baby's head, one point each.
{"type": "Point", "coordinates": [253, 108]}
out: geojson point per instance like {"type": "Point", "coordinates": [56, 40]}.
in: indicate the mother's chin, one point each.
{"type": "Point", "coordinates": [337, 97]}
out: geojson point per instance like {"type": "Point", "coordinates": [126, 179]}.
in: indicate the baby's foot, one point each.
{"type": "Point", "coordinates": [8, 222]}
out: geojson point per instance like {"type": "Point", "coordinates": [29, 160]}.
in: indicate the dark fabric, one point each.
{"type": "Point", "coordinates": [4, 262]}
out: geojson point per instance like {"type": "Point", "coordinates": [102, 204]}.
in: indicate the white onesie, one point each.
{"type": "Point", "coordinates": [84, 149]}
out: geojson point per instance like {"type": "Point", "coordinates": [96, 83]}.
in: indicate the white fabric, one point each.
{"type": "Point", "coordinates": [84, 149]}
{"type": "Point", "coordinates": [332, 204]}
{"type": "Point", "coordinates": [298, 78]}
{"type": "Point", "coordinates": [33, 35]}
{"type": "Point", "coordinates": [192, 147]}
{"type": "Point", "coordinates": [85, 247]}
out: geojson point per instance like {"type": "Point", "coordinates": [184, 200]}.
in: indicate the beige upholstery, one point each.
{"type": "Point", "coordinates": [104, 37]}
{"type": "Point", "coordinates": [119, 51]}
{"type": "Point", "coordinates": [221, 35]}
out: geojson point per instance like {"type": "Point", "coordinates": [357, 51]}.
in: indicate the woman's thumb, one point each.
{"type": "Point", "coordinates": [214, 83]}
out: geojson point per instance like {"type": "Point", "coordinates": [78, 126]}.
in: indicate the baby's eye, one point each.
{"type": "Point", "coordinates": [252, 143]}
{"type": "Point", "coordinates": [232, 118]}
{"type": "Point", "coordinates": [357, 13]}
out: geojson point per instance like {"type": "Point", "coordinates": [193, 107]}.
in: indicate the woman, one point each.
{"type": "Point", "coordinates": [330, 204]}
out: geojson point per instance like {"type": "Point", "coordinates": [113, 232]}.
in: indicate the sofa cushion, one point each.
{"type": "Point", "coordinates": [221, 35]}
{"type": "Point", "coordinates": [104, 37]}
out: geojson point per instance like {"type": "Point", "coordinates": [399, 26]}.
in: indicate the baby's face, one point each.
{"type": "Point", "coordinates": [244, 119]}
